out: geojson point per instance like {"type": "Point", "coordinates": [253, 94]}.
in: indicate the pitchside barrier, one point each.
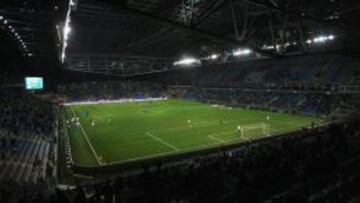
{"type": "Point", "coordinates": [121, 166]}
{"type": "Point", "coordinates": [113, 101]}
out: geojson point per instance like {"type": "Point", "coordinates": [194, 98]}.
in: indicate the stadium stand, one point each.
{"type": "Point", "coordinates": [316, 86]}
{"type": "Point", "coordinates": [107, 101]}
{"type": "Point", "coordinates": [26, 141]}
{"type": "Point", "coordinates": [109, 90]}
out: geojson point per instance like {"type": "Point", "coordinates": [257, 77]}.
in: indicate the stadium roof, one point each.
{"type": "Point", "coordinates": [126, 37]}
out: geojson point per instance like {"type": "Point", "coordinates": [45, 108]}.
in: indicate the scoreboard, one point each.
{"type": "Point", "coordinates": [34, 83]}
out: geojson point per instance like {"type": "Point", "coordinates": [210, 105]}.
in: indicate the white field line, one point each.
{"type": "Point", "coordinates": [213, 136]}
{"type": "Point", "coordinates": [87, 139]}
{"type": "Point", "coordinates": [198, 147]}
{"type": "Point", "coordinates": [162, 141]}
{"type": "Point", "coordinates": [222, 133]}
{"type": "Point", "coordinates": [216, 139]}
{"type": "Point", "coordinates": [204, 146]}
{"type": "Point", "coordinates": [185, 126]}
{"type": "Point", "coordinates": [82, 176]}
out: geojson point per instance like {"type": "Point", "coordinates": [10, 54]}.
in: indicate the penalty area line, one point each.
{"type": "Point", "coordinates": [216, 139]}
{"type": "Point", "coordinates": [162, 141]}
{"type": "Point", "coordinates": [198, 147]}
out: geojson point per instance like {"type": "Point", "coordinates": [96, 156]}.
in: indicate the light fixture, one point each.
{"type": "Point", "coordinates": [187, 61]}
{"type": "Point", "coordinates": [214, 56]}
{"type": "Point", "coordinates": [63, 56]}
{"type": "Point", "coordinates": [323, 39]}
{"type": "Point", "coordinates": [242, 52]}
{"type": "Point", "coordinates": [66, 30]}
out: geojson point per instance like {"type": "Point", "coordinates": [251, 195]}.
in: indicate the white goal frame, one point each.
{"type": "Point", "coordinates": [264, 126]}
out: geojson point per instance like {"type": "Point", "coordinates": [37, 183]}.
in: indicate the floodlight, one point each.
{"type": "Point", "coordinates": [214, 56]}
{"type": "Point", "coordinates": [67, 30]}
{"type": "Point", "coordinates": [63, 56]}
{"type": "Point", "coordinates": [186, 61]}
{"type": "Point", "coordinates": [242, 52]}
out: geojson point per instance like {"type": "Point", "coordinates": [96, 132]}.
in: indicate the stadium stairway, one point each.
{"type": "Point", "coordinates": [344, 109]}
{"type": "Point", "coordinates": [11, 161]}
{"type": "Point", "coordinates": [29, 164]}
{"type": "Point", "coordinates": [40, 172]}
{"type": "Point", "coordinates": [32, 161]}
{"type": "Point", "coordinates": [21, 163]}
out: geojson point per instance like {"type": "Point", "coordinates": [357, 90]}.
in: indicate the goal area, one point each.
{"type": "Point", "coordinates": [253, 130]}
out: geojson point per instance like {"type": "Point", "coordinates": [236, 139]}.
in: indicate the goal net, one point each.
{"type": "Point", "coordinates": [254, 130]}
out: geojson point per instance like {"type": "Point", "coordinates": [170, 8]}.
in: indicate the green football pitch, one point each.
{"type": "Point", "coordinates": [137, 131]}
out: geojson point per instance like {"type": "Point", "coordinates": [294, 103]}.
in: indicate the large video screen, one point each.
{"type": "Point", "coordinates": [34, 83]}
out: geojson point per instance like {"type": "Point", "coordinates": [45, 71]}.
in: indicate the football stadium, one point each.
{"type": "Point", "coordinates": [179, 101]}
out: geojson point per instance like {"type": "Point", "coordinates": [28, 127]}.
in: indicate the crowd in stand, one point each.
{"type": "Point", "coordinates": [21, 113]}
{"type": "Point", "coordinates": [26, 139]}
{"type": "Point", "coordinates": [296, 102]}
{"type": "Point", "coordinates": [112, 90]}
{"type": "Point", "coordinates": [312, 72]}
{"type": "Point", "coordinates": [306, 166]}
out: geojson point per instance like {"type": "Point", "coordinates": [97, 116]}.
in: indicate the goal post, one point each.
{"type": "Point", "coordinates": [254, 129]}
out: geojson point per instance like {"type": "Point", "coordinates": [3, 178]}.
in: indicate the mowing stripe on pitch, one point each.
{"type": "Point", "coordinates": [87, 139]}
{"type": "Point", "coordinates": [162, 141]}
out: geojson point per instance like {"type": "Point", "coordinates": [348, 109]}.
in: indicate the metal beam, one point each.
{"type": "Point", "coordinates": [296, 14]}
{"type": "Point", "coordinates": [274, 3]}
{"type": "Point", "coordinates": [208, 13]}
{"type": "Point", "coordinates": [191, 29]}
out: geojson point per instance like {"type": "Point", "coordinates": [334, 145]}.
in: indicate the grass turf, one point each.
{"type": "Point", "coordinates": [132, 131]}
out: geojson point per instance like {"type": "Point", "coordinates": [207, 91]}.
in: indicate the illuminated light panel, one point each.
{"type": "Point", "coordinates": [242, 52]}
{"type": "Point", "coordinates": [187, 61]}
